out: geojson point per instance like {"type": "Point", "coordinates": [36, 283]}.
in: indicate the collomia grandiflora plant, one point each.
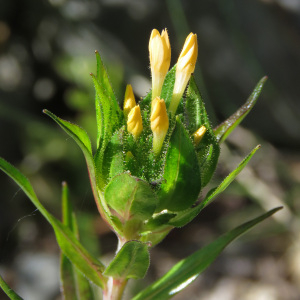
{"type": "Point", "coordinates": [151, 161]}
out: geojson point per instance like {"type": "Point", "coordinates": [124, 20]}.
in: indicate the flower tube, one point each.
{"type": "Point", "coordinates": [129, 100]}
{"type": "Point", "coordinates": [185, 67]}
{"type": "Point", "coordinates": [160, 58]}
{"type": "Point", "coordinates": [134, 122]}
{"type": "Point", "coordinates": [159, 123]}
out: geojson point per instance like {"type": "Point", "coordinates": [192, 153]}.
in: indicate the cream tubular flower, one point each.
{"type": "Point", "coordinates": [129, 100]}
{"type": "Point", "coordinates": [134, 122]}
{"type": "Point", "coordinates": [159, 123]}
{"type": "Point", "coordinates": [185, 67]}
{"type": "Point", "coordinates": [160, 58]}
{"type": "Point", "coordinates": [198, 135]}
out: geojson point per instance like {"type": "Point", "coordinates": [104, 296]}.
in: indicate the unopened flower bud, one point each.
{"type": "Point", "coordinates": [185, 67]}
{"type": "Point", "coordinates": [134, 122]}
{"type": "Point", "coordinates": [159, 123]}
{"type": "Point", "coordinates": [129, 100]}
{"type": "Point", "coordinates": [198, 135]}
{"type": "Point", "coordinates": [160, 58]}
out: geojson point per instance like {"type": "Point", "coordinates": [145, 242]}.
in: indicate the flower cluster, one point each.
{"type": "Point", "coordinates": [156, 155]}
{"type": "Point", "coordinates": [160, 58]}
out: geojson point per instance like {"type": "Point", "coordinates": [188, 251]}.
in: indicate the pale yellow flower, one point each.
{"type": "Point", "coordinates": [185, 67]}
{"type": "Point", "coordinates": [129, 100]}
{"type": "Point", "coordinates": [160, 58]}
{"type": "Point", "coordinates": [134, 122]}
{"type": "Point", "coordinates": [198, 135]}
{"type": "Point", "coordinates": [159, 123]}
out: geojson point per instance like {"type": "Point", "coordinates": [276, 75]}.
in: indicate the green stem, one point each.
{"type": "Point", "coordinates": [115, 289]}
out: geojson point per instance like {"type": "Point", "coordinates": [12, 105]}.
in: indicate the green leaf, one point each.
{"type": "Point", "coordinates": [155, 237]}
{"type": "Point", "coordinates": [156, 228]}
{"type": "Point", "coordinates": [8, 291]}
{"type": "Point", "coordinates": [84, 261]}
{"type": "Point", "coordinates": [114, 157]}
{"type": "Point", "coordinates": [130, 197]}
{"type": "Point", "coordinates": [83, 141]}
{"type": "Point", "coordinates": [208, 150]}
{"type": "Point", "coordinates": [224, 129]}
{"type": "Point", "coordinates": [74, 284]}
{"type": "Point", "coordinates": [212, 194]}
{"type": "Point", "coordinates": [108, 112]}
{"type": "Point", "coordinates": [77, 133]}
{"type": "Point", "coordinates": [181, 178]}
{"type": "Point", "coordinates": [67, 272]}
{"type": "Point", "coordinates": [67, 278]}
{"type": "Point", "coordinates": [132, 261]}
{"type": "Point", "coordinates": [104, 82]}
{"type": "Point", "coordinates": [166, 91]}
{"type": "Point", "coordinates": [187, 270]}
{"type": "Point", "coordinates": [158, 221]}
{"type": "Point", "coordinates": [187, 216]}
{"type": "Point", "coordinates": [195, 112]}
{"type": "Point", "coordinates": [168, 86]}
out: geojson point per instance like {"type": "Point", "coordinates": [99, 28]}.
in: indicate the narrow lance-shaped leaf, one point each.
{"type": "Point", "coordinates": [208, 150]}
{"type": "Point", "coordinates": [67, 272]}
{"type": "Point", "coordinates": [187, 270]}
{"type": "Point", "coordinates": [224, 129]}
{"type": "Point", "coordinates": [103, 80]}
{"type": "Point", "coordinates": [83, 141]}
{"type": "Point", "coordinates": [168, 86]}
{"type": "Point", "coordinates": [109, 118]}
{"type": "Point", "coordinates": [132, 261]}
{"type": "Point", "coordinates": [74, 284]}
{"type": "Point", "coordinates": [187, 216]}
{"type": "Point", "coordinates": [108, 112]}
{"type": "Point", "coordinates": [104, 116]}
{"type": "Point", "coordinates": [195, 112]}
{"type": "Point", "coordinates": [84, 261]}
{"type": "Point", "coordinates": [8, 291]}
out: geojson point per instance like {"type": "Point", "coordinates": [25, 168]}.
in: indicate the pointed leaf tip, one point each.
{"type": "Point", "coordinates": [223, 130]}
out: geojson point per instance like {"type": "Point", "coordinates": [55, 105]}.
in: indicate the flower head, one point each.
{"type": "Point", "coordinates": [185, 67]}
{"type": "Point", "coordinates": [159, 123]}
{"type": "Point", "coordinates": [160, 58]}
{"type": "Point", "coordinates": [134, 122]}
{"type": "Point", "coordinates": [198, 135]}
{"type": "Point", "coordinates": [129, 100]}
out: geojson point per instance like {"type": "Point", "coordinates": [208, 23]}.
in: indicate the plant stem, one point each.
{"type": "Point", "coordinates": [115, 289]}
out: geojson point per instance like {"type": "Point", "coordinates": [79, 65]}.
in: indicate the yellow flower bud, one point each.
{"type": "Point", "coordinates": [159, 123]}
{"type": "Point", "coordinates": [198, 135]}
{"type": "Point", "coordinates": [185, 67]}
{"type": "Point", "coordinates": [129, 100]}
{"type": "Point", "coordinates": [160, 58]}
{"type": "Point", "coordinates": [134, 122]}
{"type": "Point", "coordinates": [128, 156]}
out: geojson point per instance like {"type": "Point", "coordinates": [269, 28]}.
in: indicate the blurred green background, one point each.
{"type": "Point", "coordinates": [46, 55]}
